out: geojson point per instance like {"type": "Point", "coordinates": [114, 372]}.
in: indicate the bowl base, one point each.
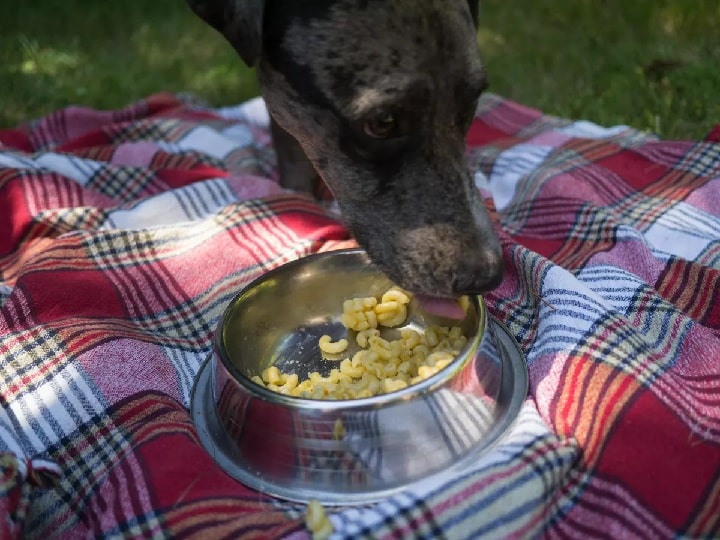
{"type": "Point", "coordinates": [512, 393]}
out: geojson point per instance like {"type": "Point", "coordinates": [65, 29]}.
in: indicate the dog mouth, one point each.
{"type": "Point", "coordinates": [449, 308]}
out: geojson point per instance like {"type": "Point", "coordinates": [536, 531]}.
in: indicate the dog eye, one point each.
{"type": "Point", "coordinates": [382, 126]}
{"type": "Point", "coordinates": [381, 135]}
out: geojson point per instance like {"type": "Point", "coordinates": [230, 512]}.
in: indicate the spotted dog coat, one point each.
{"type": "Point", "coordinates": [376, 97]}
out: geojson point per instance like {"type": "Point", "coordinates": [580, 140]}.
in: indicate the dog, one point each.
{"type": "Point", "coordinates": [376, 97]}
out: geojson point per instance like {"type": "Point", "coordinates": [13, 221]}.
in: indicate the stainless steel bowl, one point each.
{"type": "Point", "coordinates": [345, 451]}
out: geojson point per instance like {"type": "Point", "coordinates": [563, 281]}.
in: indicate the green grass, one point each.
{"type": "Point", "coordinates": [652, 64]}
{"type": "Point", "coordinates": [107, 54]}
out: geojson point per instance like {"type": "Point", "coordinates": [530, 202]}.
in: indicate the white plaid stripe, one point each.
{"type": "Point", "coordinates": [618, 288]}
{"type": "Point", "coordinates": [78, 169]}
{"type": "Point", "coordinates": [511, 166]}
{"type": "Point", "coordinates": [53, 409]}
{"type": "Point", "coordinates": [589, 130]}
{"type": "Point", "coordinates": [186, 364]}
{"type": "Point", "coordinates": [253, 111]}
{"type": "Point", "coordinates": [211, 142]}
{"type": "Point", "coordinates": [9, 440]}
{"type": "Point", "coordinates": [192, 202]}
{"type": "Point", "coordinates": [683, 231]}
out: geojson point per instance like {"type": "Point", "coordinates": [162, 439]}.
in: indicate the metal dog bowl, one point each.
{"type": "Point", "coordinates": [291, 447]}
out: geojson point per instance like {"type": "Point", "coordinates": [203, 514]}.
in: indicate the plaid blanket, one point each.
{"type": "Point", "coordinates": [123, 235]}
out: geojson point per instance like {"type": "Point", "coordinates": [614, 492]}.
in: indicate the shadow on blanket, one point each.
{"type": "Point", "coordinates": [123, 234]}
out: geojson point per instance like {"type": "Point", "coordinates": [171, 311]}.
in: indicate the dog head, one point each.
{"type": "Point", "coordinates": [380, 96]}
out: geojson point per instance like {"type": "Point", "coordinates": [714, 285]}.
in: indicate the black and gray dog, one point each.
{"type": "Point", "coordinates": [376, 96]}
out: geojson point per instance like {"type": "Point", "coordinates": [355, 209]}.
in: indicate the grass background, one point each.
{"type": "Point", "coordinates": [652, 64]}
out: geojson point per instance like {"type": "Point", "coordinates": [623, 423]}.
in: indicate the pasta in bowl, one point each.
{"type": "Point", "coordinates": [328, 382]}
{"type": "Point", "coordinates": [380, 366]}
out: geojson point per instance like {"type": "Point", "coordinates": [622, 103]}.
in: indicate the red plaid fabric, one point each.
{"type": "Point", "coordinates": [123, 235]}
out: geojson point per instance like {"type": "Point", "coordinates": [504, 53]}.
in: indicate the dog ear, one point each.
{"type": "Point", "coordinates": [474, 6]}
{"type": "Point", "coordinates": [240, 21]}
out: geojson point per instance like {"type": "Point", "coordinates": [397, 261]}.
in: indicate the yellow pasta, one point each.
{"type": "Point", "coordinates": [328, 346]}
{"type": "Point", "coordinates": [272, 375]}
{"type": "Point", "coordinates": [381, 366]}
{"type": "Point", "coordinates": [396, 295]}
{"type": "Point", "coordinates": [339, 430]}
{"type": "Point", "coordinates": [317, 521]}
{"type": "Point", "coordinates": [363, 336]}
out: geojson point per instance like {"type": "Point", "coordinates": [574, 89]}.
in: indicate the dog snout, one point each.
{"type": "Point", "coordinates": [477, 272]}
{"type": "Point", "coordinates": [440, 259]}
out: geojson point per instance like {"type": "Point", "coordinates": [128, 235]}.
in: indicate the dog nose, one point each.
{"type": "Point", "coordinates": [478, 272]}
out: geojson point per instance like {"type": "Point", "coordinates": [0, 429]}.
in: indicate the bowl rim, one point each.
{"type": "Point", "coordinates": [411, 392]}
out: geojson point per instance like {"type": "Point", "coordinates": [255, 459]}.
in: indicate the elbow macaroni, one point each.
{"type": "Point", "coordinates": [317, 521]}
{"type": "Point", "coordinates": [381, 366]}
{"type": "Point", "coordinates": [327, 346]}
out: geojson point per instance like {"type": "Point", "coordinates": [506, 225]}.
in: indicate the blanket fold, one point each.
{"type": "Point", "coordinates": [123, 234]}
